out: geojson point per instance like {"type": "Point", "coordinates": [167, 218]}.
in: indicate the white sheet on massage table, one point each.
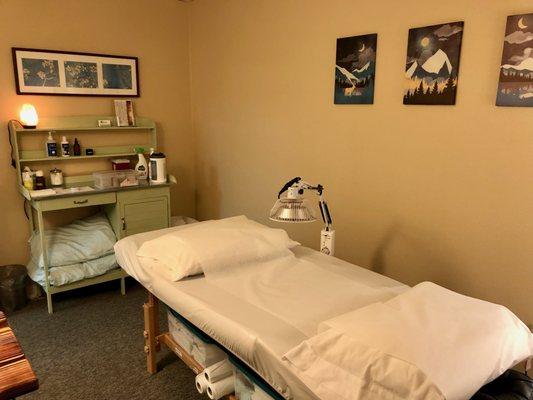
{"type": "Point", "coordinates": [256, 336]}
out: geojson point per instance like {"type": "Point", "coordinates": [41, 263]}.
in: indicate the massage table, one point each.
{"type": "Point", "coordinates": [249, 333]}
{"type": "Point", "coordinates": [258, 318]}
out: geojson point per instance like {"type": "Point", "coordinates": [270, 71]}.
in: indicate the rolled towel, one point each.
{"type": "Point", "coordinates": [221, 388]}
{"type": "Point", "coordinates": [201, 383]}
{"type": "Point", "coordinates": [218, 371]}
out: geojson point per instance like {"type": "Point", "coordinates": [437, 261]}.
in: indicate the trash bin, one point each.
{"type": "Point", "coordinates": [12, 287]}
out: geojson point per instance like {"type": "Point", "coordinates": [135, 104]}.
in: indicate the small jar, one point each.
{"type": "Point", "coordinates": [56, 177]}
{"type": "Point", "coordinates": [40, 182]}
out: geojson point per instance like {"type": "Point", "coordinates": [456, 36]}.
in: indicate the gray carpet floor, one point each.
{"type": "Point", "coordinates": [92, 348]}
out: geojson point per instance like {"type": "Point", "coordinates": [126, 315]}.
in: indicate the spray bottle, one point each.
{"type": "Point", "coordinates": [142, 166]}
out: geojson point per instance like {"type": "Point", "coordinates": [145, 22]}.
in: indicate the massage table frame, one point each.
{"type": "Point", "coordinates": [153, 340]}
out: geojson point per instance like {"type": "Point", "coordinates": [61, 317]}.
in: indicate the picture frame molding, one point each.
{"type": "Point", "coordinates": [14, 51]}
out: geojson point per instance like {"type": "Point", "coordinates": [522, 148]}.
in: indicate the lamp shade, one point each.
{"type": "Point", "coordinates": [28, 116]}
{"type": "Point", "coordinates": [292, 210]}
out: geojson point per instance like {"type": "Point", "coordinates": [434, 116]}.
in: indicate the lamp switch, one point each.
{"type": "Point", "coordinates": [327, 242]}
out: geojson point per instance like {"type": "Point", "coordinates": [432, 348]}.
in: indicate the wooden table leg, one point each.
{"type": "Point", "coordinates": [151, 331]}
{"type": "Point", "coordinates": [44, 250]}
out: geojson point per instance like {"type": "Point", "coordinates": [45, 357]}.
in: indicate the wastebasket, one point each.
{"type": "Point", "coordinates": [12, 287]}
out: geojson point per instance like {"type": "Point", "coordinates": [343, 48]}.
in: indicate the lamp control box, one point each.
{"type": "Point", "coordinates": [327, 242]}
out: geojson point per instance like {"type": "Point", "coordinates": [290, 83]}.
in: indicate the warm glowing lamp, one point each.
{"type": "Point", "coordinates": [28, 116]}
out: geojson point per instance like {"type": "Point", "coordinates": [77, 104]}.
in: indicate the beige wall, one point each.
{"type": "Point", "coordinates": [417, 193]}
{"type": "Point", "coordinates": [156, 33]}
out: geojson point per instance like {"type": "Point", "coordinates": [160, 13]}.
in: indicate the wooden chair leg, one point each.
{"type": "Point", "coordinates": [151, 331]}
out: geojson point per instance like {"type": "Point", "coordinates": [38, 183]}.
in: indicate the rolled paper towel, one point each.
{"type": "Point", "coordinates": [201, 383]}
{"type": "Point", "coordinates": [221, 388]}
{"type": "Point", "coordinates": [218, 371]}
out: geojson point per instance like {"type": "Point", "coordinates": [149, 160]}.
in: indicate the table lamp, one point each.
{"type": "Point", "coordinates": [294, 208]}
{"type": "Point", "coordinates": [28, 116]}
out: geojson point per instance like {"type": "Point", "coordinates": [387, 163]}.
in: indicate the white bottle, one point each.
{"type": "Point", "coordinates": [51, 146]}
{"type": "Point", "coordinates": [142, 167]}
{"type": "Point", "coordinates": [65, 147]}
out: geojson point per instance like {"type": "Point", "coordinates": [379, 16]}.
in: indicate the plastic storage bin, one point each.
{"type": "Point", "coordinates": [115, 179]}
{"type": "Point", "coordinates": [13, 287]}
{"type": "Point", "coordinates": [180, 333]}
{"type": "Point", "coordinates": [245, 389]}
{"type": "Point", "coordinates": [205, 354]}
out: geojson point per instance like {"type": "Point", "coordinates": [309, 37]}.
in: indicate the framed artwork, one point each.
{"type": "Point", "coordinates": [51, 72]}
{"type": "Point", "coordinates": [515, 87]}
{"type": "Point", "coordinates": [355, 69]}
{"type": "Point", "coordinates": [432, 65]}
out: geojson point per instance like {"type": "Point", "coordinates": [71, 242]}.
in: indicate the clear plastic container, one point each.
{"type": "Point", "coordinates": [245, 389]}
{"type": "Point", "coordinates": [206, 354]}
{"type": "Point", "coordinates": [115, 179]}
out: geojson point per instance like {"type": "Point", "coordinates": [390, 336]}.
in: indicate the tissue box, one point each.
{"type": "Point", "coordinates": [120, 164]}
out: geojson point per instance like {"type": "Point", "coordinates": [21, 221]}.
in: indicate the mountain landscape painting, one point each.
{"type": "Point", "coordinates": [432, 66]}
{"type": "Point", "coordinates": [516, 71]}
{"type": "Point", "coordinates": [355, 69]}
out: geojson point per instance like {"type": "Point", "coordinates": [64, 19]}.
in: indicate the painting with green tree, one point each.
{"type": "Point", "coordinates": [431, 70]}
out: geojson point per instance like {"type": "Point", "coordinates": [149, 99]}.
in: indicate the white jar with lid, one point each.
{"type": "Point", "coordinates": [56, 177]}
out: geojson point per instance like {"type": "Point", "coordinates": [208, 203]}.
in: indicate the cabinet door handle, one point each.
{"type": "Point", "coordinates": [81, 201]}
{"type": "Point", "coordinates": [123, 224]}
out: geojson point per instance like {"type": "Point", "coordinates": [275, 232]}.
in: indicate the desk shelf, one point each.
{"type": "Point", "coordinates": [33, 156]}
{"type": "Point", "coordinates": [82, 123]}
{"type": "Point", "coordinates": [74, 158]}
{"type": "Point", "coordinates": [88, 129]}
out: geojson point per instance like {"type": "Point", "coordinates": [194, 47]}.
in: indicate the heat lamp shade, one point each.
{"type": "Point", "coordinates": [28, 116]}
{"type": "Point", "coordinates": [292, 210]}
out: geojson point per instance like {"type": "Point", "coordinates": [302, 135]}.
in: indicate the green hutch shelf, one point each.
{"type": "Point", "coordinates": [130, 210]}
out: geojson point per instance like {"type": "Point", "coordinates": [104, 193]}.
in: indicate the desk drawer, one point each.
{"type": "Point", "coordinates": [83, 200]}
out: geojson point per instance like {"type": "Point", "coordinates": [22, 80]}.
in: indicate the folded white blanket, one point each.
{"type": "Point", "coordinates": [82, 240]}
{"type": "Point", "coordinates": [427, 343]}
{"type": "Point", "coordinates": [74, 272]}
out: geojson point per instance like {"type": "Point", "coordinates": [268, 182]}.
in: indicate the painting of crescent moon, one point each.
{"type": "Point", "coordinates": [515, 88]}
{"type": "Point", "coordinates": [355, 69]}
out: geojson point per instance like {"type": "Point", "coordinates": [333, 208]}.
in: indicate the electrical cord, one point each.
{"type": "Point", "coordinates": [13, 163]}
{"type": "Point", "coordinates": [25, 210]}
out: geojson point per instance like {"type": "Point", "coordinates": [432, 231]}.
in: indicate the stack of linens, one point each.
{"type": "Point", "coordinates": [82, 249]}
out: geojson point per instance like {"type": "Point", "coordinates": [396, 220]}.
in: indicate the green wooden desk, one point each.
{"type": "Point", "coordinates": [130, 210]}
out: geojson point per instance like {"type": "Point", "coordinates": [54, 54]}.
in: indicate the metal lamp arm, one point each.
{"type": "Point", "coordinates": [322, 204]}
{"type": "Point", "coordinates": [324, 211]}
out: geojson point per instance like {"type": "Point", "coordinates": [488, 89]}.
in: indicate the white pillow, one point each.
{"type": "Point", "coordinates": [427, 343]}
{"type": "Point", "coordinates": [215, 244]}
